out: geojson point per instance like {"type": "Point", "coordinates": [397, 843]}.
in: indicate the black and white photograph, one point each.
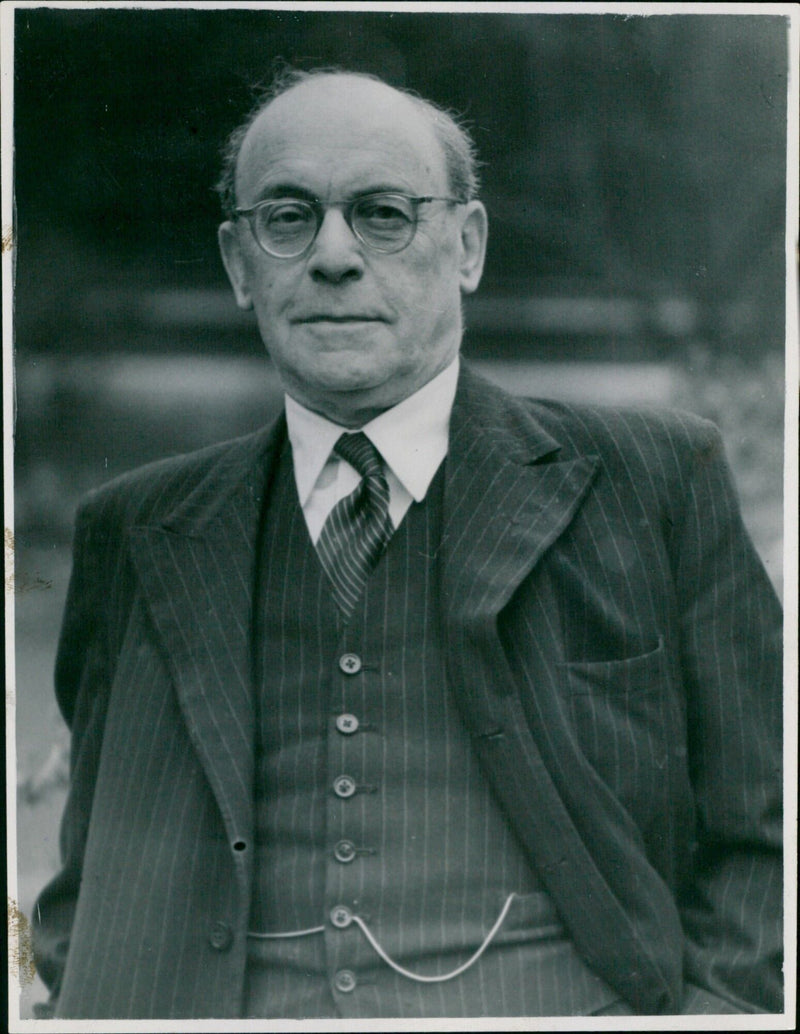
{"type": "Point", "coordinates": [400, 632]}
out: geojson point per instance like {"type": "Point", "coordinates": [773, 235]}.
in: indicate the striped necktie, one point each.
{"type": "Point", "coordinates": [358, 528]}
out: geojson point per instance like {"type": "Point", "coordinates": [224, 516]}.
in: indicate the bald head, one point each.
{"type": "Point", "coordinates": [321, 91]}
{"type": "Point", "coordinates": [342, 121]}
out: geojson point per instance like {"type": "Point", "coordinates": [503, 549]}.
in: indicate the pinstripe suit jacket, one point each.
{"type": "Point", "coordinates": [613, 643]}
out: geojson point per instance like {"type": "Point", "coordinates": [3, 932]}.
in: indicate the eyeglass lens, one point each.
{"type": "Point", "coordinates": [385, 222]}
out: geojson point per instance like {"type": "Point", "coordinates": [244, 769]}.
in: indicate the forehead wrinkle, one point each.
{"type": "Point", "coordinates": [321, 177]}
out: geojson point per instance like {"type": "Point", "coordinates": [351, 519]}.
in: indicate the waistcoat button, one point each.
{"type": "Point", "coordinates": [345, 980]}
{"type": "Point", "coordinates": [341, 916]}
{"type": "Point", "coordinates": [346, 723]}
{"type": "Point", "coordinates": [350, 663]}
{"type": "Point", "coordinates": [221, 937]}
{"type": "Point", "coordinates": [344, 786]}
{"type": "Point", "coordinates": [344, 851]}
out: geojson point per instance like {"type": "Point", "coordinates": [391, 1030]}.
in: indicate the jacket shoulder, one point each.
{"type": "Point", "coordinates": [148, 492]}
{"type": "Point", "coordinates": [649, 452]}
{"type": "Point", "coordinates": [645, 430]}
{"type": "Point", "coordinates": [581, 428]}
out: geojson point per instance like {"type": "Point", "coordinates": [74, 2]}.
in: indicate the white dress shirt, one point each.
{"type": "Point", "coordinates": [411, 437]}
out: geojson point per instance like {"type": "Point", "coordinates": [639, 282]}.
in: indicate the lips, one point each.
{"type": "Point", "coordinates": [325, 317]}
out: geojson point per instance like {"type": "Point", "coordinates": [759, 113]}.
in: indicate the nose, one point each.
{"type": "Point", "coordinates": [336, 252]}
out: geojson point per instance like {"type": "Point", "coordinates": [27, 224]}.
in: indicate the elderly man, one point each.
{"type": "Point", "coordinates": [425, 701]}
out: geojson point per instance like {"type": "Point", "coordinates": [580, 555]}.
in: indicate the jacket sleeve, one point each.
{"type": "Point", "coordinates": [82, 679]}
{"type": "Point", "coordinates": [731, 906]}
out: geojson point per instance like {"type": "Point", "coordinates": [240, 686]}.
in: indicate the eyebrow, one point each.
{"type": "Point", "coordinates": [280, 190]}
{"type": "Point", "coordinates": [277, 190]}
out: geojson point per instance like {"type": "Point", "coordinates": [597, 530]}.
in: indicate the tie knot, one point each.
{"type": "Point", "coordinates": [360, 453]}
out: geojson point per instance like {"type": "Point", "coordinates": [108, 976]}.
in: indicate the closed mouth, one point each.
{"type": "Point", "coordinates": [330, 318]}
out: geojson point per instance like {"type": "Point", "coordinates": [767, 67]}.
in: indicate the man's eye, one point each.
{"type": "Point", "coordinates": [384, 212]}
{"type": "Point", "coordinates": [288, 215]}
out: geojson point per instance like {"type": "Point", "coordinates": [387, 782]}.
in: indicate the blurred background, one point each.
{"type": "Point", "coordinates": [634, 172]}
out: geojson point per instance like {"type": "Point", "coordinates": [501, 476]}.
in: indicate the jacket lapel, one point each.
{"type": "Point", "coordinates": [196, 566]}
{"type": "Point", "coordinates": [507, 499]}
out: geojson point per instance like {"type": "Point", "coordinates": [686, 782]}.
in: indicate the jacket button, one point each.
{"type": "Point", "coordinates": [221, 937]}
{"type": "Point", "coordinates": [341, 917]}
{"type": "Point", "coordinates": [344, 851]}
{"type": "Point", "coordinates": [350, 663]}
{"type": "Point", "coordinates": [347, 724]}
{"type": "Point", "coordinates": [345, 981]}
{"type": "Point", "coordinates": [344, 786]}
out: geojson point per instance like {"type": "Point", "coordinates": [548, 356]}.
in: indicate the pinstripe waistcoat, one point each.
{"type": "Point", "coordinates": [612, 643]}
{"type": "Point", "coordinates": [417, 847]}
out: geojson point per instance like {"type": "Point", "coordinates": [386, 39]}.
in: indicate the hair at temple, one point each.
{"type": "Point", "coordinates": [458, 146]}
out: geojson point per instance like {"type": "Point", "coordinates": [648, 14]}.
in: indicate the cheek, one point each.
{"type": "Point", "coordinates": [426, 283]}
{"type": "Point", "coordinates": [270, 280]}
{"type": "Point", "coordinates": [264, 282]}
{"type": "Point", "coordinates": [272, 291]}
{"type": "Point", "coordinates": [432, 294]}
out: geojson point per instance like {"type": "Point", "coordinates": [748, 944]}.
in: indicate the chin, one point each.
{"type": "Point", "coordinates": [349, 395]}
{"type": "Point", "coordinates": [353, 370]}
{"type": "Point", "coordinates": [354, 382]}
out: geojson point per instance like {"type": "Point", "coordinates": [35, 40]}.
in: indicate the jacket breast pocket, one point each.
{"type": "Point", "coordinates": [620, 713]}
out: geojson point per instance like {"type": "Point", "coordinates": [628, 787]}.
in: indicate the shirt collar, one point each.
{"type": "Point", "coordinates": [411, 436]}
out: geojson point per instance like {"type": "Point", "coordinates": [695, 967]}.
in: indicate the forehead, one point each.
{"type": "Point", "coordinates": [337, 136]}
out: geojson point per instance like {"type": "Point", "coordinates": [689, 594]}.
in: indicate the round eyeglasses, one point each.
{"type": "Point", "coordinates": [287, 227]}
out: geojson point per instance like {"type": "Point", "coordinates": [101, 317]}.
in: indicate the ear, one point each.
{"type": "Point", "coordinates": [235, 262]}
{"type": "Point", "coordinates": [474, 234]}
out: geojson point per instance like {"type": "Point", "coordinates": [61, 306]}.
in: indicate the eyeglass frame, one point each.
{"type": "Point", "coordinates": [319, 208]}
